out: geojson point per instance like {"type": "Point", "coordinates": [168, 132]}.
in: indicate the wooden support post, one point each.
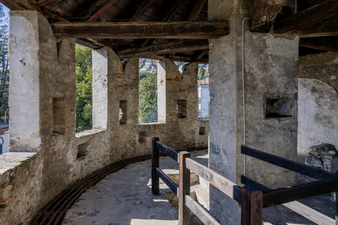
{"type": "Point", "coordinates": [252, 206]}
{"type": "Point", "coordinates": [184, 189]}
{"type": "Point", "coordinates": [155, 163]}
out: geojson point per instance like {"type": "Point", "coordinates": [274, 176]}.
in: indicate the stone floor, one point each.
{"type": "Point", "coordinates": [125, 197]}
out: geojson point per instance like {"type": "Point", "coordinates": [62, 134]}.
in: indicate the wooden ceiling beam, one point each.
{"type": "Point", "coordinates": [43, 2]}
{"type": "Point", "coordinates": [12, 5]}
{"type": "Point", "coordinates": [166, 48]}
{"type": "Point", "coordinates": [167, 17]}
{"type": "Point", "coordinates": [196, 10]}
{"type": "Point", "coordinates": [315, 14]}
{"type": "Point", "coordinates": [95, 10]}
{"type": "Point", "coordinates": [141, 9]}
{"type": "Point", "coordinates": [323, 29]}
{"type": "Point", "coordinates": [323, 44]}
{"type": "Point", "coordinates": [188, 59]}
{"type": "Point", "coordinates": [142, 30]}
{"type": "Point", "coordinates": [21, 4]}
{"type": "Point", "coordinates": [52, 17]}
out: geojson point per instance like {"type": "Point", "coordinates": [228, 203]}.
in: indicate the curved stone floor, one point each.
{"type": "Point", "coordinates": [125, 197]}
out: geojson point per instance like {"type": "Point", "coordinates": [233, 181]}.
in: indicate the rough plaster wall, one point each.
{"type": "Point", "coordinates": [23, 61]}
{"type": "Point", "coordinates": [318, 118]}
{"type": "Point", "coordinates": [27, 188]}
{"type": "Point", "coordinates": [270, 70]}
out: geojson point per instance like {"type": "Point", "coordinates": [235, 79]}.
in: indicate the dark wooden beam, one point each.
{"type": "Point", "coordinates": [95, 10]}
{"type": "Point", "coordinates": [196, 10]}
{"type": "Point", "coordinates": [12, 5]}
{"type": "Point", "coordinates": [315, 14]}
{"type": "Point", "coordinates": [166, 48]}
{"type": "Point", "coordinates": [322, 29]}
{"type": "Point", "coordinates": [141, 9]}
{"type": "Point", "coordinates": [142, 30]}
{"type": "Point", "coordinates": [58, 10]}
{"type": "Point", "coordinates": [323, 44]}
{"type": "Point", "coordinates": [52, 17]}
{"type": "Point", "coordinates": [43, 2]}
{"type": "Point", "coordinates": [188, 59]}
{"type": "Point", "coordinates": [21, 4]}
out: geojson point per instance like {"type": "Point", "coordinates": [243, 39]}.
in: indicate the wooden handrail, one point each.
{"type": "Point", "coordinates": [226, 186]}
{"type": "Point", "coordinates": [289, 164]}
{"type": "Point", "coordinates": [168, 151]}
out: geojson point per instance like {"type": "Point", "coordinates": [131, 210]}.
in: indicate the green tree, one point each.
{"type": "Point", "coordinates": [148, 97]}
{"type": "Point", "coordinates": [203, 71]}
{"type": "Point", "coordinates": [83, 57]}
{"type": "Point", "coordinates": [4, 72]}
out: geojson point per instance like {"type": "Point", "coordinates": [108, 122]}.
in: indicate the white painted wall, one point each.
{"type": "Point", "coordinates": [318, 117]}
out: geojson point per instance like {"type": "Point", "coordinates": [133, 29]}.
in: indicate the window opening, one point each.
{"type": "Point", "coordinates": [148, 111]}
{"type": "Point", "coordinates": [203, 91]}
{"type": "Point", "coordinates": [181, 109]}
{"type": "Point", "coordinates": [83, 57]}
{"type": "Point", "coordinates": [202, 131]}
{"type": "Point", "coordinates": [278, 107]}
{"type": "Point", "coordinates": [123, 112]}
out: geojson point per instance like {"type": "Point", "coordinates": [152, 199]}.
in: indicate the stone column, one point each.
{"type": "Point", "coordinates": [100, 81]}
{"type": "Point", "coordinates": [271, 77]}
{"type": "Point", "coordinates": [161, 92]}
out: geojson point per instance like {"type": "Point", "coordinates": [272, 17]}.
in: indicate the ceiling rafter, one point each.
{"type": "Point", "coordinates": [165, 48]}
{"type": "Point", "coordinates": [94, 10]}
{"type": "Point", "coordinates": [21, 4]}
{"type": "Point", "coordinates": [43, 2]}
{"type": "Point", "coordinates": [328, 10]}
{"type": "Point", "coordinates": [168, 14]}
{"type": "Point", "coordinates": [141, 9]}
{"type": "Point", "coordinates": [323, 44]}
{"type": "Point", "coordinates": [196, 10]}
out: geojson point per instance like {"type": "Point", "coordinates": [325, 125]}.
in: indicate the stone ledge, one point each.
{"type": "Point", "coordinates": [89, 132]}
{"type": "Point", "coordinates": [11, 160]}
{"type": "Point", "coordinates": [150, 124]}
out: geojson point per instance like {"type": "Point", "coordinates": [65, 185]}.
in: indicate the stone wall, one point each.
{"type": "Point", "coordinates": [271, 82]}
{"type": "Point", "coordinates": [318, 101]}
{"type": "Point", "coordinates": [43, 98]}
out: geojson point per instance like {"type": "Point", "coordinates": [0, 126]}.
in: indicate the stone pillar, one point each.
{"type": "Point", "coordinates": [24, 88]}
{"type": "Point", "coordinates": [100, 81]}
{"type": "Point", "coordinates": [271, 75]}
{"type": "Point", "coordinates": [161, 92]}
{"type": "Point", "coordinates": [42, 82]}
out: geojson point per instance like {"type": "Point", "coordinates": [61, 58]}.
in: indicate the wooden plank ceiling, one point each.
{"type": "Point", "coordinates": [315, 22]}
